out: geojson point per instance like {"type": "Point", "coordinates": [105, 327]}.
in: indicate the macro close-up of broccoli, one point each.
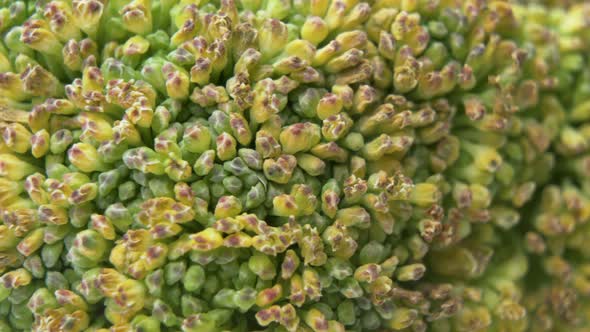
{"type": "Point", "coordinates": [294, 166]}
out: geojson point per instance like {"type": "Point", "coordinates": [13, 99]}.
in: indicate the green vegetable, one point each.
{"type": "Point", "coordinates": [325, 166]}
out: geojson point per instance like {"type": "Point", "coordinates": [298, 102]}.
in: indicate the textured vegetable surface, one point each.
{"type": "Point", "coordinates": [294, 165]}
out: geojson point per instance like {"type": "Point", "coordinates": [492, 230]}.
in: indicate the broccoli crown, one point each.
{"type": "Point", "coordinates": [294, 165]}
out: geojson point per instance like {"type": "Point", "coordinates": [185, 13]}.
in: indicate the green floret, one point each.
{"type": "Point", "coordinates": [294, 166]}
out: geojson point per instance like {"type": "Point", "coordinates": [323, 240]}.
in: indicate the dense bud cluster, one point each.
{"type": "Point", "coordinates": [294, 165]}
